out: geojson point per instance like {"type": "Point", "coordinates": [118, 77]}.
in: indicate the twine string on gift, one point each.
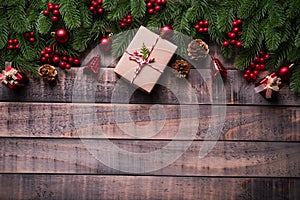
{"type": "Point", "coordinates": [271, 85]}
{"type": "Point", "coordinates": [142, 60]}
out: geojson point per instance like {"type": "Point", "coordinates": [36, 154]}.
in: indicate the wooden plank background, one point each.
{"type": "Point", "coordinates": [45, 152]}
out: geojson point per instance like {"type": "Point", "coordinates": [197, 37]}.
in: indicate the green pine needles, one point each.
{"type": "Point", "coordinates": [269, 25]}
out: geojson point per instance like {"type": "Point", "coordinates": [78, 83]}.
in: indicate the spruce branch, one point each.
{"type": "Point", "coordinates": [70, 13]}
{"type": "Point", "coordinates": [43, 24]}
{"type": "Point", "coordinates": [138, 8]}
{"type": "Point", "coordinates": [4, 30]}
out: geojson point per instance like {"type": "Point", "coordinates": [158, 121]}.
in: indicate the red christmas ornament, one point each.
{"type": "Point", "coordinates": [62, 35]}
{"type": "Point", "coordinates": [166, 32]}
{"type": "Point", "coordinates": [105, 44]}
{"type": "Point", "coordinates": [285, 72]}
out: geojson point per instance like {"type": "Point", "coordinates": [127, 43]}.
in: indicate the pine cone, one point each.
{"type": "Point", "coordinates": [197, 49]}
{"type": "Point", "coordinates": [48, 73]}
{"type": "Point", "coordinates": [181, 68]}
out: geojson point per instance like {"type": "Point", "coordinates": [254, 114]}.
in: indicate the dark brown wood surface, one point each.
{"type": "Point", "coordinates": [50, 143]}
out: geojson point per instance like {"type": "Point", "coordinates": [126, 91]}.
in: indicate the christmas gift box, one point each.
{"type": "Point", "coordinates": [145, 59]}
{"type": "Point", "coordinates": [12, 78]}
{"type": "Point", "coordinates": [269, 85]}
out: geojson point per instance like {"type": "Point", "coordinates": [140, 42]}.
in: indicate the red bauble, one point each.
{"type": "Point", "coordinates": [284, 72]}
{"type": "Point", "coordinates": [62, 35]}
{"type": "Point", "coordinates": [166, 32]}
{"type": "Point", "coordinates": [105, 44]}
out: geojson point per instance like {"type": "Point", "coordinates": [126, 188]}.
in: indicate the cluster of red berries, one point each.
{"type": "Point", "coordinates": [257, 65]}
{"type": "Point", "coordinates": [48, 55]}
{"type": "Point", "coordinates": [13, 44]}
{"type": "Point", "coordinates": [202, 26]}
{"type": "Point", "coordinates": [30, 36]}
{"type": "Point", "coordinates": [154, 5]}
{"type": "Point", "coordinates": [234, 34]}
{"type": "Point", "coordinates": [96, 7]}
{"type": "Point", "coordinates": [54, 9]}
{"type": "Point", "coordinates": [125, 21]}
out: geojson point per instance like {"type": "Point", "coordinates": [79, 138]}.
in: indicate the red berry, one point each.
{"type": "Point", "coordinates": [232, 42]}
{"type": "Point", "coordinates": [122, 25]}
{"type": "Point", "coordinates": [257, 60]}
{"type": "Point", "coordinates": [129, 20]}
{"type": "Point", "coordinates": [262, 67]}
{"type": "Point", "coordinates": [68, 66]}
{"type": "Point", "coordinates": [100, 10]}
{"type": "Point", "coordinates": [43, 52]}
{"type": "Point", "coordinates": [226, 43]}
{"type": "Point", "coordinates": [158, 1]}
{"type": "Point", "coordinates": [50, 6]}
{"type": "Point", "coordinates": [163, 1]}
{"type": "Point", "coordinates": [157, 8]}
{"type": "Point", "coordinates": [261, 53]}
{"type": "Point", "coordinates": [261, 60]}
{"type": "Point", "coordinates": [10, 41]}
{"type": "Point", "coordinates": [16, 41]}
{"type": "Point", "coordinates": [239, 33]}
{"type": "Point", "coordinates": [55, 12]}
{"type": "Point", "coordinates": [255, 72]}
{"type": "Point", "coordinates": [31, 33]}
{"type": "Point", "coordinates": [48, 50]}
{"type": "Point", "coordinates": [252, 65]}
{"type": "Point", "coordinates": [56, 6]}
{"type": "Point", "coordinates": [206, 23]}
{"type": "Point", "coordinates": [267, 56]}
{"type": "Point", "coordinates": [200, 30]}
{"type": "Point", "coordinates": [32, 39]}
{"type": "Point", "coordinates": [248, 71]}
{"type": "Point", "coordinates": [197, 26]}
{"type": "Point", "coordinates": [17, 46]}
{"type": "Point", "coordinates": [150, 11]}
{"type": "Point", "coordinates": [27, 34]}
{"type": "Point", "coordinates": [11, 47]}
{"type": "Point", "coordinates": [62, 64]}
{"type": "Point", "coordinates": [76, 61]}
{"type": "Point", "coordinates": [201, 23]}
{"type": "Point", "coordinates": [149, 5]}
{"type": "Point", "coordinates": [92, 8]}
{"type": "Point", "coordinates": [253, 77]}
{"type": "Point", "coordinates": [128, 16]}
{"type": "Point", "coordinates": [65, 58]}
{"type": "Point", "coordinates": [257, 66]}
{"type": "Point", "coordinates": [152, 1]}
{"type": "Point", "coordinates": [56, 59]}
{"type": "Point", "coordinates": [234, 23]}
{"type": "Point", "coordinates": [205, 30]}
{"type": "Point", "coordinates": [238, 44]}
{"type": "Point", "coordinates": [47, 55]}
{"type": "Point", "coordinates": [124, 20]}
{"type": "Point", "coordinates": [235, 29]}
{"type": "Point", "coordinates": [239, 21]}
{"type": "Point", "coordinates": [94, 3]}
{"type": "Point", "coordinates": [231, 35]}
{"type": "Point", "coordinates": [43, 59]}
{"type": "Point", "coordinates": [246, 76]}
{"type": "Point", "coordinates": [46, 12]}
{"type": "Point", "coordinates": [54, 19]}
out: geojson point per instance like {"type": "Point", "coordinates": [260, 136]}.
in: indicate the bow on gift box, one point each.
{"type": "Point", "coordinates": [272, 84]}
{"type": "Point", "coordinates": [10, 77]}
{"type": "Point", "coordinates": [143, 59]}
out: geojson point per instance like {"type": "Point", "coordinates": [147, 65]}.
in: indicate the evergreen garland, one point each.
{"type": "Point", "coordinates": [270, 25]}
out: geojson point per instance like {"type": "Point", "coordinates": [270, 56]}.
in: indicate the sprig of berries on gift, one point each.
{"type": "Point", "coordinates": [234, 35]}
{"type": "Point", "coordinates": [125, 21]}
{"type": "Point", "coordinates": [257, 65]}
{"type": "Point", "coordinates": [96, 7]}
{"type": "Point", "coordinates": [202, 26]}
{"type": "Point", "coordinates": [51, 56]}
{"type": "Point", "coordinates": [155, 5]}
{"type": "Point", "coordinates": [53, 11]}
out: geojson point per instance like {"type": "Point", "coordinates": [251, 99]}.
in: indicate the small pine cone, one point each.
{"type": "Point", "coordinates": [181, 68]}
{"type": "Point", "coordinates": [197, 49]}
{"type": "Point", "coordinates": [48, 73]}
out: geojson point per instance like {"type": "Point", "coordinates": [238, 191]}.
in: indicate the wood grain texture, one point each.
{"type": "Point", "coordinates": [200, 83]}
{"type": "Point", "coordinates": [23, 187]}
{"type": "Point", "coordinates": [262, 159]}
{"type": "Point", "coordinates": [254, 123]}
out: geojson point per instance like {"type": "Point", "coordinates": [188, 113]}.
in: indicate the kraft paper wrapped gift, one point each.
{"type": "Point", "coordinates": [145, 73]}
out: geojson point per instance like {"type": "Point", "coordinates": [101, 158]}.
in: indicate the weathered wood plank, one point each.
{"type": "Point", "coordinates": [202, 85]}
{"type": "Point", "coordinates": [266, 159]}
{"type": "Point", "coordinates": [255, 123]}
{"type": "Point", "coordinates": [23, 186]}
